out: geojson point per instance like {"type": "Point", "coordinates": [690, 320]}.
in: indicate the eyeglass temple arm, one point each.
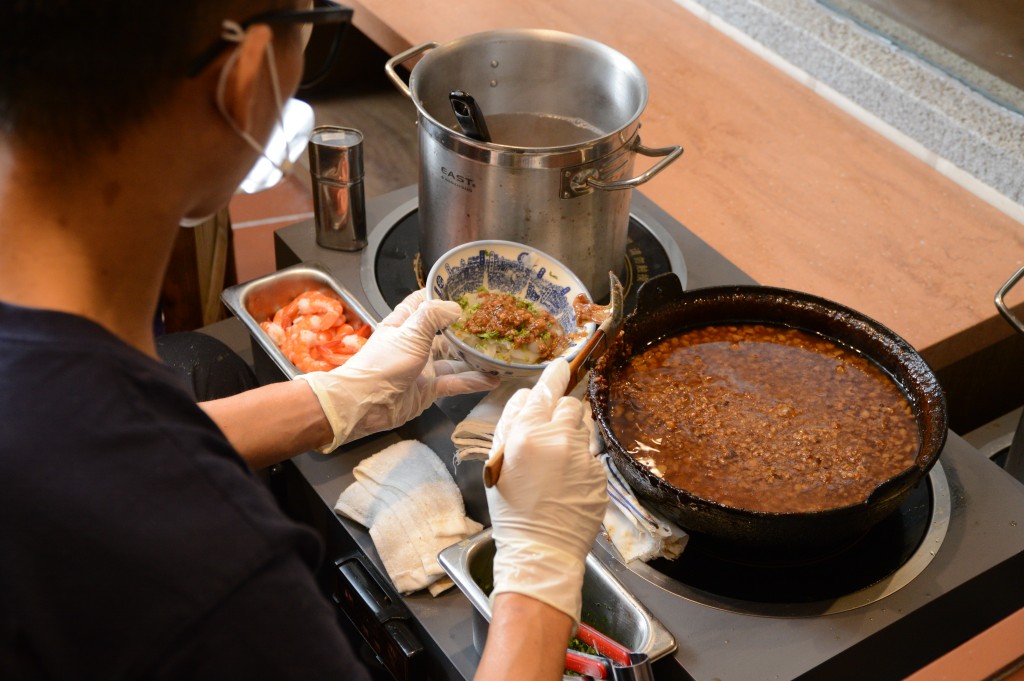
{"type": "Point", "coordinates": [326, 13]}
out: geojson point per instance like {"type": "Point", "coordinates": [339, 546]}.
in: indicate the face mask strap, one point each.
{"type": "Point", "coordinates": [233, 32]}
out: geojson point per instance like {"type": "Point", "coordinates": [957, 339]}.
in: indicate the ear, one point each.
{"type": "Point", "coordinates": [241, 88]}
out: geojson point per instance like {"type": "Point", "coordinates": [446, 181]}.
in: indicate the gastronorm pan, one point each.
{"type": "Point", "coordinates": [256, 301]}
{"type": "Point", "coordinates": [607, 605]}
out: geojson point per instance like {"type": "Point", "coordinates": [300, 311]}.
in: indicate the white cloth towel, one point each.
{"type": "Point", "coordinates": [473, 435]}
{"type": "Point", "coordinates": [636, 532]}
{"type": "Point", "coordinates": [413, 509]}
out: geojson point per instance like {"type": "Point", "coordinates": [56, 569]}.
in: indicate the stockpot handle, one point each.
{"type": "Point", "coordinates": [1001, 305]}
{"type": "Point", "coordinates": [670, 154]}
{"type": "Point", "coordinates": [402, 57]}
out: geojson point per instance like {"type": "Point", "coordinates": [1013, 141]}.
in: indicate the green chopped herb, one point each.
{"type": "Point", "coordinates": [579, 646]}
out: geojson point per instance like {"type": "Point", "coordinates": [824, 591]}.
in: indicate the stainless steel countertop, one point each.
{"type": "Point", "coordinates": [445, 622]}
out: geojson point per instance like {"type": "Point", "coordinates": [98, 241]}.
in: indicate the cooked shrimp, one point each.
{"type": "Point", "coordinates": [353, 342]}
{"type": "Point", "coordinates": [321, 311]}
{"type": "Point", "coordinates": [313, 332]}
{"type": "Point", "coordinates": [303, 357]}
{"type": "Point", "coordinates": [342, 348]}
{"type": "Point", "coordinates": [275, 332]}
{"type": "Point", "coordinates": [335, 358]}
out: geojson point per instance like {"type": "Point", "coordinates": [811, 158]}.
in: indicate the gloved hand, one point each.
{"type": "Point", "coordinates": [548, 504]}
{"type": "Point", "coordinates": [400, 371]}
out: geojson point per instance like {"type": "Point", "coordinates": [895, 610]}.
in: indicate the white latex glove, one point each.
{"type": "Point", "coordinates": [548, 503]}
{"type": "Point", "coordinates": [398, 373]}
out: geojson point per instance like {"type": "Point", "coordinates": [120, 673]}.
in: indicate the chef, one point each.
{"type": "Point", "coordinates": [136, 541]}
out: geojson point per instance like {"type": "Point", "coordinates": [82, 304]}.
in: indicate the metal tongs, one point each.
{"type": "Point", "coordinates": [613, 661]}
{"type": "Point", "coordinates": [583, 362]}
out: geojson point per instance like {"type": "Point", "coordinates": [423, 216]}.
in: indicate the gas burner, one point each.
{"type": "Point", "coordinates": [392, 268]}
{"type": "Point", "coordinates": [875, 565]}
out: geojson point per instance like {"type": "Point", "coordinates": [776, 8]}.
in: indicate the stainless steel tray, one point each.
{"type": "Point", "coordinates": [607, 605]}
{"type": "Point", "coordinates": [256, 301]}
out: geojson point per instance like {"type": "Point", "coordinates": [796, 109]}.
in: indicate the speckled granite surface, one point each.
{"type": "Point", "coordinates": [967, 136]}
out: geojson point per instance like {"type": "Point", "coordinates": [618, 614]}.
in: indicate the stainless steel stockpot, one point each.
{"type": "Point", "coordinates": [566, 196]}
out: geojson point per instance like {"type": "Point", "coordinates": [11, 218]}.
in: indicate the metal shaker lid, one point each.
{"type": "Point", "coordinates": [336, 154]}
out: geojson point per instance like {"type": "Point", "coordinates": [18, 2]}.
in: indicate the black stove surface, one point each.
{"type": "Point", "coordinates": [750, 575]}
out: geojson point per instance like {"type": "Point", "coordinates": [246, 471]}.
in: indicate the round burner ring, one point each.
{"type": "Point", "coordinates": [938, 523]}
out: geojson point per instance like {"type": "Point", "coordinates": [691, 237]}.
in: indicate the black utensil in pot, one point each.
{"type": "Point", "coordinates": [469, 116]}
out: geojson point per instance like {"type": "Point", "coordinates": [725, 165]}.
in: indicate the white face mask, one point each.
{"type": "Point", "coordinates": [234, 33]}
{"type": "Point", "coordinates": [189, 223]}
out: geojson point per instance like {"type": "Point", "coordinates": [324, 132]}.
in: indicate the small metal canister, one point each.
{"type": "Point", "coordinates": [339, 204]}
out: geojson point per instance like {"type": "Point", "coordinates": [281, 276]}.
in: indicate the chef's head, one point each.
{"type": "Point", "coordinates": [76, 77]}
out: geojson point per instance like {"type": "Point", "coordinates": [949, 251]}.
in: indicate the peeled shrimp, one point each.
{"type": "Point", "coordinates": [314, 333]}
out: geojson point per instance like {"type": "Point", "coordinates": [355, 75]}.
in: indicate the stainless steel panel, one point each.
{"type": "Point", "coordinates": [607, 605]}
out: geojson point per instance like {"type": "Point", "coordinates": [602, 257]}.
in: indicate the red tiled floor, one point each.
{"type": "Point", "coordinates": [254, 249]}
{"type": "Point", "coordinates": [291, 196]}
{"type": "Point", "coordinates": [255, 217]}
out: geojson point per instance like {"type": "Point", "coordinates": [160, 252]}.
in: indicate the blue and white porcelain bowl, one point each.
{"type": "Point", "coordinates": [509, 267]}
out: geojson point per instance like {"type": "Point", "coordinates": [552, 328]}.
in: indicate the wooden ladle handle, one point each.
{"type": "Point", "coordinates": [492, 469]}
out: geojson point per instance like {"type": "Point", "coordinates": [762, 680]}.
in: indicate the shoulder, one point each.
{"type": "Point", "coordinates": [128, 520]}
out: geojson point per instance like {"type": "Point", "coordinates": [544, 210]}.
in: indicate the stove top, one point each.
{"type": "Point", "coordinates": [962, 577]}
{"type": "Point", "coordinates": [955, 569]}
{"type": "Point", "coordinates": [865, 571]}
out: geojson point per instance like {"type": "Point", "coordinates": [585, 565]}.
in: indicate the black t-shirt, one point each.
{"type": "Point", "coordinates": [134, 541]}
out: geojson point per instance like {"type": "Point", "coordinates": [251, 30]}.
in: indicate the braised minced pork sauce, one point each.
{"type": "Point", "coordinates": [509, 327]}
{"type": "Point", "coordinates": [763, 418]}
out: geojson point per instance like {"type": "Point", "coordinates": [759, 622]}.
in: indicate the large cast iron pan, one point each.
{"type": "Point", "coordinates": [664, 309]}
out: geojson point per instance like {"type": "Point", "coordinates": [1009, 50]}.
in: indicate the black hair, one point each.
{"type": "Point", "coordinates": [75, 73]}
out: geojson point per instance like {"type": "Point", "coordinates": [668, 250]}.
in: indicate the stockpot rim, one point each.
{"type": "Point", "coordinates": [601, 145]}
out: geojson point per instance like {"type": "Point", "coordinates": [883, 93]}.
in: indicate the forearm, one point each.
{"type": "Point", "coordinates": [526, 639]}
{"type": "Point", "coordinates": [271, 423]}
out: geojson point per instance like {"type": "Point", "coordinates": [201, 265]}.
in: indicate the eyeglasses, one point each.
{"type": "Point", "coordinates": [323, 12]}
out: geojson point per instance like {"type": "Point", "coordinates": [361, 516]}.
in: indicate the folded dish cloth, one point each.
{"type": "Point", "coordinates": [413, 508]}
{"type": "Point", "coordinates": [637, 533]}
{"type": "Point", "coordinates": [472, 436]}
